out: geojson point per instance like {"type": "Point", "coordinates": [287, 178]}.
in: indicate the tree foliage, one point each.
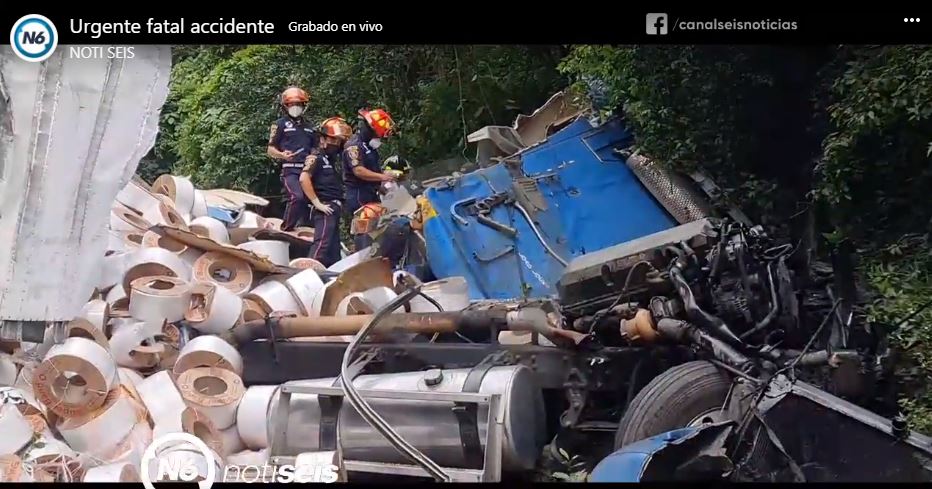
{"type": "Point", "coordinates": [222, 101]}
{"type": "Point", "coordinates": [844, 130]}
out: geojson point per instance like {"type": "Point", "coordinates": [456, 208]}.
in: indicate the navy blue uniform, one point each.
{"type": "Point", "coordinates": [299, 137]}
{"type": "Point", "coordinates": [360, 192]}
{"type": "Point", "coordinates": [328, 185]}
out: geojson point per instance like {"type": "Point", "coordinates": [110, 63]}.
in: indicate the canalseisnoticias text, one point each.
{"type": "Point", "coordinates": [153, 26]}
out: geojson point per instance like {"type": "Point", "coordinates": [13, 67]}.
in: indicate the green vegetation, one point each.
{"type": "Point", "coordinates": [842, 131]}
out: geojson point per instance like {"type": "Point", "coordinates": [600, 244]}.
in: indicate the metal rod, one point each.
{"type": "Point", "coordinates": [540, 238]}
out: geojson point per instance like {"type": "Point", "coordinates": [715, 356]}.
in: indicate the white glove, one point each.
{"type": "Point", "coordinates": [326, 209]}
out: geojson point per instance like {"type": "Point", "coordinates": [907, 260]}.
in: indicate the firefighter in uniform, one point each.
{"type": "Point", "coordinates": [290, 141]}
{"type": "Point", "coordinates": [362, 167]}
{"type": "Point", "coordinates": [322, 184]}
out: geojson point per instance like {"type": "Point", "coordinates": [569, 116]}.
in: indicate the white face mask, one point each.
{"type": "Point", "coordinates": [374, 143]}
{"type": "Point", "coordinates": [295, 110]}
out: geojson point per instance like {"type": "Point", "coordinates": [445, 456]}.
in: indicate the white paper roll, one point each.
{"type": "Point", "coordinates": [133, 344]}
{"type": "Point", "coordinates": [231, 273]}
{"type": "Point", "coordinates": [230, 441]}
{"type": "Point", "coordinates": [124, 220]}
{"type": "Point", "coordinates": [352, 260]}
{"type": "Point", "coordinates": [114, 294]}
{"type": "Point", "coordinates": [252, 416]}
{"type": "Point", "coordinates": [319, 297]}
{"type": "Point", "coordinates": [97, 312]}
{"type": "Point", "coordinates": [82, 328]}
{"type": "Point", "coordinates": [248, 219]}
{"type": "Point", "coordinates": [9, 370]}
{"type": "Point", "coordinates": [118, 472]}
{"type": "Point", "coordinates": [179, 189]}
{"type": "Point", "coordinates": [209, 351]}
{"type": "Point", "coordinates": [137, 197]}
{"type": "Point", "coordinates": [166, 214]}
{"type": "Point", "coordinates": [215, 392]}
{"type": "Point", "coordinates": [273, 223]}
{"type": "Point", "coordinates": [199, 425]}
{"type": "Point", "coordinates": [55, 455]}
{"type": "Point", "coordinates": [200, 205]}
{"type": "Point", "coordinates": [378, 297]}
{"type": "Point", "coordinates": [213, 309]}
{"type": "Point", "coordinates": [111, 270]}
{"type": "Point", "coordinates": [209, 227]}
{"type": "Point", "coordinates": [249, 457]}
{"type": "Point", "coordinates": [274, 251]}
{"type": "Point", "coordinates": [12, 470]}
{"type": "Point", "coordinates": [130, 449]}
{"type": "Point", "coordinates": [307, 264]}
{"type": "Point", "coordinates": [274, 297]}
{"type": "Point", "coordinates": [304, 287]}
{"type": "Point", "coordinates": [130, 376]}
{"type": "Point", "coordinates": [162, 398]}
{"type": "Point", "coordinates": [104, 428]}
{"type": "Point", "coordinates": [343, 306]}
{"type": "Point", "coordinates": [154, 299]}
{"type": "Point", "coordinates": [154, 240]}
{"type": "Point", "coordinates": [151, 262]}
{"type": "Point", "coordinates": [93, 373]}
{"type": "Point", "coordinates": [452, 293]}
{"type": "Point", "coordinates": [16, 430]}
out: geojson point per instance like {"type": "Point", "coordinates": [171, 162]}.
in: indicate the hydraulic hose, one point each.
{"type": "Point", "coordinates": [366, 411]}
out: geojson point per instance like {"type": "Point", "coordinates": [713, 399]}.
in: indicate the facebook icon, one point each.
{"type": "Point", "coordinates": [656, 24]}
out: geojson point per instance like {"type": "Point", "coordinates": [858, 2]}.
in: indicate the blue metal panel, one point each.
{"type": "Point", "coordinates": [592, 201]}
{"type": "Point", "coordinates": [628, 463]}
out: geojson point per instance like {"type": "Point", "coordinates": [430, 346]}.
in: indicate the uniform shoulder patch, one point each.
{"type": "Point", "coordinates": [353, 153]}
{"type": "Point", "coordinates": [272, 133]}
{"type": "Point", "coordinates": [309, 162]}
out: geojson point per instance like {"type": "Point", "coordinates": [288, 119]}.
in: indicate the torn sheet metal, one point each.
{"type": "Point", "coordinates": [72, 133]}
{"type": "Point", "coordinates": [534, 128]}
{"type": "Point", "coordinates": [579, 194]}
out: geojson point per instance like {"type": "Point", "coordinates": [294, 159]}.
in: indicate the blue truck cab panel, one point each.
{"type": "Point", "coordinates": [592, 200]}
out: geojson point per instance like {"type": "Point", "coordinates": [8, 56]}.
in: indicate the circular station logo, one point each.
{"type": "Point", "coordinates": [33, 37]}
{"type": "Point", "coordinates": [164, 467]}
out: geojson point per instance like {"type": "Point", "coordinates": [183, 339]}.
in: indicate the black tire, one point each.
{"type": "Point", "coordinates": [673, 399]}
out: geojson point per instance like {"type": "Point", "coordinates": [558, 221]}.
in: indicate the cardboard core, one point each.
{"type": "Point", "coordinates": [221, 272]}
{"type": "Point", "coordinates": [69, 387]}
{"type": "Point", "coordinates": [210, 386]}
{"type": "Point", "coordinates": [135, 238]}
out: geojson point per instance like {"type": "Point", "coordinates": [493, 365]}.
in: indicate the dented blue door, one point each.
{"type": "Point", "coordinates": [591, 201]}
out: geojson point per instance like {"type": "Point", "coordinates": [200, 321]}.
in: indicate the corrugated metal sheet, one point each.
{"type": "Point", "coordinates": [592, 201]}
{"type": "Point", "coordinates": [73, 132]}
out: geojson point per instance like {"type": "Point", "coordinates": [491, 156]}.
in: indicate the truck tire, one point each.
{"type": "Point", "coordinates": [672, 400]}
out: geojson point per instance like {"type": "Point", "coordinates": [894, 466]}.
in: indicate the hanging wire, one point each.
{"type": "Point", "coordinates": [363, 407]}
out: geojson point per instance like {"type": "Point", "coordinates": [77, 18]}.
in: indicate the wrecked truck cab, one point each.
{"type": "Point", "coordinates": [511, 228]}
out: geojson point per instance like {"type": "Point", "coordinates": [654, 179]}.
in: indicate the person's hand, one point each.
{"type": "Point", "coordinates": [388, 177]}
{"type": "Point", "coordinates": [287, 154]}
{"type": "Point", "coordinates": [326, 209]}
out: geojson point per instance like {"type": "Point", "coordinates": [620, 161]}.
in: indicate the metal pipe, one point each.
{"type": "Point", "coordinates": [774, 307]}
{"type": "Point", "coordinates": [683, 331]}
{"type": "Point", "coordinates": [525, 319]}
{"type": "Point", "coordinates": [539, 236]}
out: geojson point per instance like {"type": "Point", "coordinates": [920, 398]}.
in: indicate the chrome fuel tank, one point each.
{"type": "Point", "coordinates": [431, 426]}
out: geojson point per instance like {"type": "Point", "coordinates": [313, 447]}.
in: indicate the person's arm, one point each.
{"type": "Point", "coordinates": [360, 170]}
{"type": "Point", "coordinates": [272, 149]}
{"type": "Point", "coordinates": [307, 185]}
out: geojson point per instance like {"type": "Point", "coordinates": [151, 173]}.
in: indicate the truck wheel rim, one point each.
{"type": "Point", "coordinates": [713, 415]}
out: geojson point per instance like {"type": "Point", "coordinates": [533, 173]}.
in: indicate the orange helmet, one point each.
{"type": "Point", "coordinates": [294, 95]}
{"type": "Point", "coordinates": [379, 120]}
{"type": "Point", "coordinates": [336, 127]}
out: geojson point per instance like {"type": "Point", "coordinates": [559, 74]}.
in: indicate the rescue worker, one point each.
{"type": "Point", "coordinates": [322, 184]}
{"type": "Point", "coordinates": [291, 139]}
{"type": "Point", "coordinates": [362, 166]}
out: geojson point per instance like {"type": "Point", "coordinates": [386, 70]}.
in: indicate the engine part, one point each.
{"type": "Point", "coordinates": [684, 332]}
{"type": "Point", "coordinates": [641, 328]}
{"type": "Point", "coordinates": [713, 323]}
{"type": "Point", "coordinates": [583, 286]}
{"type": "Point", "coordinates": [673, 191]}
{"type": "Point", "coordinates": [433, 427]}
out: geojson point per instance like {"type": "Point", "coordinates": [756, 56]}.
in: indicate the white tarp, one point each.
{"type": "Point", "coordinates": [72, 132]}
